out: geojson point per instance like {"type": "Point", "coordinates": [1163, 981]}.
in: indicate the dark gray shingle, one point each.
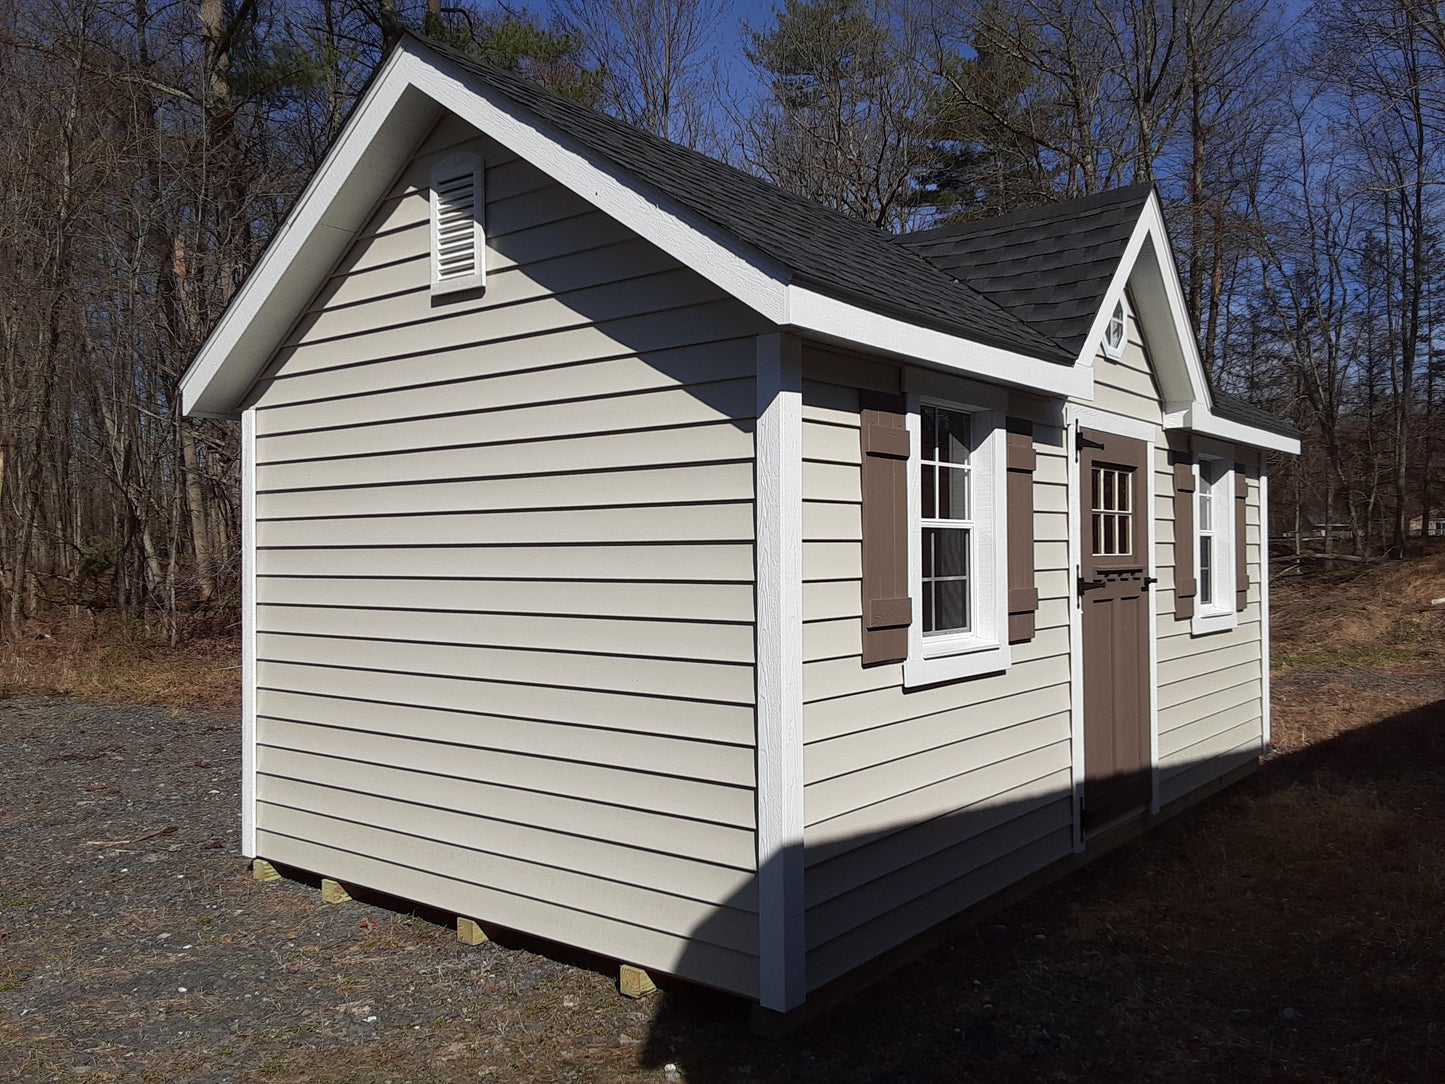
{"type": "Point", "coordinates": [1048, 265]}
{"type": "Point", "coordinates": [826, 251]}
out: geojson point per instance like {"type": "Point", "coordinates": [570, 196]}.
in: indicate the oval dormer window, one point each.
{"type": "Point", "coordinates": [1114, 333]}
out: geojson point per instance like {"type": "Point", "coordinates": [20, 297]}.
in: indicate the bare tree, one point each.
{"type": "Point", "coordinates": [837, 123]}
{"type": "Point", "coordinates": [654, 56]}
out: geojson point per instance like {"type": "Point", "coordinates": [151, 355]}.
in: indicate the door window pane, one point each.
{"type": "Point", "coordinates": [1112, 514]}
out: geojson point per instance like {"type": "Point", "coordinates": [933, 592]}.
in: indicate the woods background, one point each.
{"type": "Point", "coordinates": [148, 150]}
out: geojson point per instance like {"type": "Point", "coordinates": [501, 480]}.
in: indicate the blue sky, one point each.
{"type": "Point", "coordinates": [758, 13]}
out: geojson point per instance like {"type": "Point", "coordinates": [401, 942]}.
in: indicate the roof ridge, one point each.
{"type": "Point", "coordinates": [1034, 215]}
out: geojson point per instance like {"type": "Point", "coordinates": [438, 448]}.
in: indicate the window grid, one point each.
{"type": "Point", "coordinates": [1209, 475]}
{"type": "Point", "coordinates": [1112, 512]}
{"type": "Point", "coordinates": [945, 488]}
{"type": "Point", "coordinates": [1114, 333]}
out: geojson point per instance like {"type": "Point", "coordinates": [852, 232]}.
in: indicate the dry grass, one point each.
{"type": "Point", "coordinates": [1291, 928]}
{"type": "Point", "coordinates": [106, 660]}
{"type": "Point", "coordinates": [1376, 616]}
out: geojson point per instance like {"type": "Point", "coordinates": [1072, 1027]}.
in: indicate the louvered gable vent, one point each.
{"type": "Point", "coordinates": [458, 250]}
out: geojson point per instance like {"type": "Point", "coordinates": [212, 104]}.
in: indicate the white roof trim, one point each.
{"type": "Point", "coordinates": [839, 322]}
{"type": "Point", "coordinates": [1201, 420]}
{"type": "Point", "coordinates": [383, 132]}
{"type": "Point", "coordinates": [1147, 266]}
{"type": "Point", "coordinates": [380, 138]}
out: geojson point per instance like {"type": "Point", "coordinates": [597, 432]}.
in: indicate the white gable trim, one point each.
{"type": "Point", "coordinates": [1147, 269]}
{"type": "Point", "coordinates": [372, 149]}
{"type": "Point", "coordinates": [379, 139]}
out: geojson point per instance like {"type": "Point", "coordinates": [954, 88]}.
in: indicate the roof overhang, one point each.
{"type": "Point", "coordinates": [1147, 271]}
{"type": "Point", "coordinates": [403, 101]}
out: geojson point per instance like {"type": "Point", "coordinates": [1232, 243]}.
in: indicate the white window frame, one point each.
{"type": "Point", "coordinates": [1219, 613]}
{"type": "Point", "coordinates": [454, 165]}
{"type": "Point", "coordinates": [984, 649]}
{"type": "Point", "coordinates": [1118, 318]}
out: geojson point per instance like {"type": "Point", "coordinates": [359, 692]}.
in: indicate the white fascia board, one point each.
{"type": "Point", "coordinates": [753, 280]}
{"type": "Point", "coordinates": [379, 139]}
{"type": "Point", "coordinates": [840, 322]}
{"type": "Point", "coordinates": [746, 275]}
{"type": "Point", "coordinates": [373, 147]}
{"type": "Point", "coordinates": [1196, 419]}
{"type": "Point", "coordinates": [1151, 226]}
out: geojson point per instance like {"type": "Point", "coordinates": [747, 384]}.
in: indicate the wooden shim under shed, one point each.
{"type": "Point", "coordinates": [332, 892]}
{"type": "Point", "coordinates": [469, 933]}
{"type": "Point", "coordinates": [634, 982]}
{"type": "Point", "coordinates": [262, 870]}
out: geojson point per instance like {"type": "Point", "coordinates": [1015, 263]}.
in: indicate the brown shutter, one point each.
{"type": "Point", "coordinates": [1023, 595]}
{"type": "Point", "coordinates": [1186, 583]}
{"type": "Point", "coordinates": [887, 609]}
{"type": "Point", "coordinates": [1241, 562]}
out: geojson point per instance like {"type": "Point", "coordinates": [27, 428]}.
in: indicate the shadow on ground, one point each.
{"type": "Point", "coordinates": [1287, 929]}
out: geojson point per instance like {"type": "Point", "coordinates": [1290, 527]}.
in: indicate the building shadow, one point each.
{"type": "Point", "coordinates": [1289, 927]}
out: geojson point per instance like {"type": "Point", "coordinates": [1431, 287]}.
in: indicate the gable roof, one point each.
{"type": "Point", "coordinates": [838, 255]}
{"type": "Point", "coordinates": [1050, 266]}
{"type": "Point", "coordinates": [969, 299]}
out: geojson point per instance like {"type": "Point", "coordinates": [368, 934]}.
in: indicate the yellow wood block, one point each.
{"type": "Point", "coordinates": [332, 892]}
{"type": "Point", "coordinates": [262, 870]}
{"type": "Point", "coordinates": [469, 933]}
{"type": "Point", "coordinates": [634, 982]}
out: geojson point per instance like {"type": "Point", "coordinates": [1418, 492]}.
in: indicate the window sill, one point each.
{"type": "Point", "coordinates": [931, 670]}
{"type": "Point", "coordinates": [1212, 621]}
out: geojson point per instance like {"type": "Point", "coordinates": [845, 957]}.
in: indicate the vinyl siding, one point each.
{"type": "Point", "coordinates": [505, 573]}
{"type": "Point", "coordinates": [1209, 698]}
{"type": "Point", "coordinates": [918, 802]}
{"type": "Point", "coordinates": [1212, 686]}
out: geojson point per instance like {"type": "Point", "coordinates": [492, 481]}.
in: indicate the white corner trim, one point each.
{"type": "Point", "coordinates": [782, 977]}
{"type": "Point", "coordinates": [1076, 620]}
{"type": "Point", "coordinates": [248, 633]}
{"type": "Point", "coordinates": [1152, 591]}
{"type": "Point", "coordinates": [1265, 661]}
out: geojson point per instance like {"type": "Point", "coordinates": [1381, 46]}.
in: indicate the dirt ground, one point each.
{"type": "Point", "coordinates": [1291, 928]}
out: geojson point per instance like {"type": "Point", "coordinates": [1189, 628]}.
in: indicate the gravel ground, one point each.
{"type": "Point", "coordinates": [1234, 943]}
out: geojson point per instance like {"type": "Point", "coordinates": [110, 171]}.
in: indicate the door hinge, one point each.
{"type": "Point", "coordinates": [1088, 585]}
{"type": "Point", "coordinates": [1081, 442]}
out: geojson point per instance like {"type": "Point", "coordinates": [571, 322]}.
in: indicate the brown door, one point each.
{"type": "Point", "coordinates": [1114, 597]}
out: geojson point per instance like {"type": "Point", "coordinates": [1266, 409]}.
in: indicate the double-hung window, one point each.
{"type": "Point", "coordinates": [957, 571]}
{"type": "Point", "coordinates": [1214, 545]}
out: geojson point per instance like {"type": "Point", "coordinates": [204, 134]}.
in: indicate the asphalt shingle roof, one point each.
{"type": "Point", "coordinates": [836, 255]}
{"type": "Point", "coordinates": [1246, 413]}
{"type": "Point", "coordinates": [1050, 266]}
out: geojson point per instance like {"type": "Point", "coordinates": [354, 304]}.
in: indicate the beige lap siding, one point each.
{"type": "Point", "coordinates": [919, 803]}
{"type": "Point", "coordinates": [505, 566]}
{"type": "Point", "coordinates": [1209, 702]}
{"type": "Point", "coordinates": [1211, 687]}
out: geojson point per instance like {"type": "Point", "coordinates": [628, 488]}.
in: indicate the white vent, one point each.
{"type": "Point", "coordinates": [458, 248]}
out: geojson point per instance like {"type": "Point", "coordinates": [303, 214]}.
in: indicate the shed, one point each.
{"type": "Point", "coordinates": [649, 560]}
